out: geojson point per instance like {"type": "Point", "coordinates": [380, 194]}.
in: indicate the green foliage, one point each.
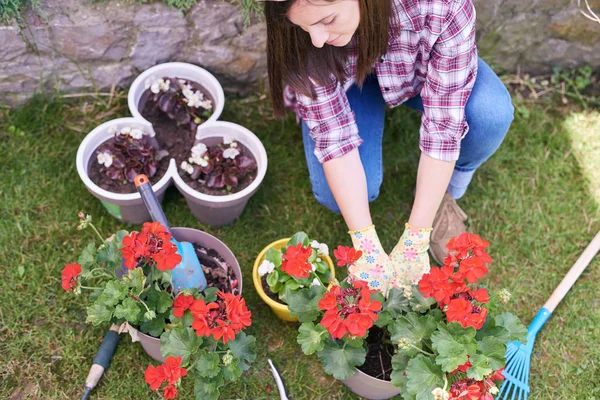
{"type": "Point", "coordinates": [180, 342]}
{"type": "Point", "coordinates": [304, 303]}
{"type": "Point", "coordinates": [423, 376]}
{"type": "Point", "coordinates": [311, 337]}
{"type": "Point", "coordinates": [341, 360]}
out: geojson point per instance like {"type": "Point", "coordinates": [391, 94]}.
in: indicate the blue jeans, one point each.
{"type": "Point", "coordinates": [489, 113]}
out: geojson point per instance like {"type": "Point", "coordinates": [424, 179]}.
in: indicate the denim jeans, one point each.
{"type": "Point", "coordinates": [489, 113]}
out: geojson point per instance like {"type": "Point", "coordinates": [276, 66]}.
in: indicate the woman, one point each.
{"type": "Point", "coordinates": [338, 63]}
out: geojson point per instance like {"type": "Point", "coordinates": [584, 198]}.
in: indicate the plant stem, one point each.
{"type": "Point", "coordinates": [421, 350]}
{"type": "Point", "coordinates": [97, 233]}
{"type": "Point", "coordinates": [91, 287]}
{"type": "Point", "coordinates": [103, 272]}
{"type": "Point", "coordinates": [319, 279]}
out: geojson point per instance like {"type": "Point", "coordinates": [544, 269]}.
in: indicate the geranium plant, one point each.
{"type": "Point", "coordinates": [298, 265]}
{"type": "Point", "coordinates": [181, 100]}
{"type": "Point", "coordinates": [201, 333]}
{"type": "Point", "coordinates": [220, 167]}
{"type": "Point", "coordinates": [131, 152]}
{"type": "Point", "coordinates": [444, 337]}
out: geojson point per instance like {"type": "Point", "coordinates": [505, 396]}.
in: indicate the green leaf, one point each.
{"type": "Point", "coordinates": [413, 327]}
{"type": "Point", "coordinates": [273, 256]}
{"type": "Point", "coordinates": [154, 327]}
{"type": "Point", "coordinates": [322, 267]}
{"type": "Point", "coordinates": [207, 364]}
{"type": "Point", "coordinates": [513, 325]}
{"type": "Point", "coordinates": [232, 371]}
{"type": "Point", "coordinates": [243, 349]}
{"type": "Point", "coordinates": [451, 354]}
{"type": "Point", "coordinates": [418, 302]}
{"type": "Point", "coordinates": [480, 367]}
{"type": "Point", "coordinates": [384, 318]}
{"type": "Point", "coordinates": [129, 310]}
{"type": "Point", "coordinates": [399, 378]}
{"type": "Point", "coordinates": [87, 258]}
{"type": "Point", "coordinates": [272, 279]}
{"type": "Point", "coordinates": [423, 376]}
{"type": "Point", "coordinates": [396, 304]}
{"type": "Point", "coordinates": [135, 279]}
{"type": "Point", "coordinates": [210, 294]}
{"type": "Point", "coordinates": [304, 302]}
{"type": "Point", "coordinates": [158, 300]}
{"type": "Point", "coordinates": [180, 342]}
{"type": "Point", "coordinates": [339, 361]}
{"type": "Point", "coordinates": [114, 292]}
{"type": "Point", "coordinates": [494, 350]}
{"type": "Point", "coordinates": [291, 285]}
{"type": "Point", "coordinates": [98, 313]}
{"type": "Point", "coordinates": [311, 337]}
{"type": "Point", "coordinates": [109, 252]}
{"type": "Point", "coordinates": [299, 237]}
{"type": "Point", "coordinates": [464, 336]}
{"type": "Point", "coordinates": [490, 328]}
{"type": "Point", "coordinates": [207, 389]}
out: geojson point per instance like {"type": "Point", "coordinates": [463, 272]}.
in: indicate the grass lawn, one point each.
{"type": "Point", "coordinates": [536, 201]}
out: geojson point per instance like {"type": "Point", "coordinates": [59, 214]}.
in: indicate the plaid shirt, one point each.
{"type": "Point", "coordinates": [431, 52]}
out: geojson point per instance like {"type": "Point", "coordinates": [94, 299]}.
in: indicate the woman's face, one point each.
{"type": "Point", "coordinates": [327, 22]}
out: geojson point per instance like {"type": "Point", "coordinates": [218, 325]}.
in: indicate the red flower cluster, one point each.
{"type": "Point", "coordinates": [69, 276]}
{"type": "Point", "coordinates": [295, 261]}
{"type": "Point", "coordinates": [466, 263]}
{"type": "Point", "coordinates": [181, 303]}
{"type": "Point", "coordinates": [349, 310]}
{"type": "Point", "coordinates": [153, 245]}
{"type": "Point", "coordinates": [169, 372]}
{"type": "Point", "coordinates": [346, 255]}
{"type": "Point", "coordinates": [470, 389]}
{"type": "Point", "coordinates": [223, 318]}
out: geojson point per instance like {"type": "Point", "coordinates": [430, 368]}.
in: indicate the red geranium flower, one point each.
{"type": "Point", "coordinates": [295, 261]}
{"type": "Point", "coordinates": [172, 370]}
{"type": "Point", "coordinates": [154, 376]}
{"type": "Point", "coordinates": [480, 295]}
{"type": "Point", "coordinates": [170, 392]}
{"type": "Point", "coordinates": [437, 284]}
{"type": "Point", "coordinates": [472, 269]}
{"type": "Point", "coordinates": [153, 246]}
{"type": "Point", "coordinates": [181, 303]}
{"type": "Point", "coordinates": [69, 276]}
{"type": "Point", "coordinates": [167, 258]}
{"type": "Point", "coordinates": [463, 312]}
{"type": "Point", "coordinates": [345, 255]}
{"type": "Point", "coordinates": [223, 318]}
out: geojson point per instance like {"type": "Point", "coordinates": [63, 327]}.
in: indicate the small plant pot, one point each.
{"type": "Point", "coordinates": [223, 210]}
{"type": "Point", "coordinates": [371, 388]}
{"type": "Point", "coordinates": [127, 207]}
{"type": "Point", "coordinates": [151, 344]}
{"type": "Point", "coordinates": [281, 310]}
{"type": "Point", "coordinates": [182, 71]}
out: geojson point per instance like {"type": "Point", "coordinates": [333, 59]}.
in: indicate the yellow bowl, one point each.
{"type": "Point", "coordinates": [280, 309]}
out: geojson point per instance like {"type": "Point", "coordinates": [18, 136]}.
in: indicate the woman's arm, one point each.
{"type": "Point", "coordinates": [433, 177]}
{"type": "Point", "coordinates": [348, 183]}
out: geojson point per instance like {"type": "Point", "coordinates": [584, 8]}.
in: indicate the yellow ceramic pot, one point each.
{"type": "Point", "coordinates": [280, 309]}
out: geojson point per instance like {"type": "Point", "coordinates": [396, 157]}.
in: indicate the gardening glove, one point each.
{"type": "Point", "coordinates": [374, 266]}
{"type": "Point", "coordinates": [409, 258]}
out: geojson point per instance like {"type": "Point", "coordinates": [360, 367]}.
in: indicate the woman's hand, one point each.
{"type": "Point", "coordinates": [409, 258]}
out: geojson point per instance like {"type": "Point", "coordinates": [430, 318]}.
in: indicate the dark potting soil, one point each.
{"type": "Point", "coordinates": [95, 173]}
{"type": "Point", "coordinates": [218, 272]}
{"type": "Point", "coordinates": [202, 188]}
{"type": "Point", "coordinates": [267, 290]}
{"type": "Point", "coordinates": [378, 362]}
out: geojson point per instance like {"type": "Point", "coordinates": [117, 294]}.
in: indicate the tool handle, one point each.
{"type": "Point", "coordinates": [574, 273]}
{"type": "Point", "coordinates": [144, 188]}
{"type": "Point", "coordinates": [103, 357]}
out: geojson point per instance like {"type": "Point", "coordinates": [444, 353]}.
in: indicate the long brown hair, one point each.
{"type": "Point", "coordinates": [292, 59]}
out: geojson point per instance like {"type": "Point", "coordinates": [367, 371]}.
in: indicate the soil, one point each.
{"type": "Point", "coordinates": [378, 362]}
{"type": "Point", "coordinates": [267, 290]}
{"type": "Point", "coordinates": [218, 273]}
{"type": "Point", "coordinates": [202, 188]}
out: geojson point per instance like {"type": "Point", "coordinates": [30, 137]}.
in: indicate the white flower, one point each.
{"type": "Point", "coordinates": [315, 282]}
{"type": "Point", "coordinates": [194, 100]}
{"type": "Point", "coordinates": [207, 104]}
{"type": "Point", "coordinates": [494, 390]}
{"type": "Point", "coordinates": [319, 259]}
{"type": "Point", "coordinates": [234, 144]}
{"type": "Point", "coordinates": [440, 394]}
{"type": "Point", "coordinates": [155, 88]}
{"type": "Point", "coordinates": [231, 153]}
{"type": "Point", "coordinates": [151, 133]}
{"type": "Point", "coordinates": [164, 86]}
{"type": "Point", "coordinates": [323, 249]}
{"type": "Point", "coordinates": [314, 244]}
{"type": "Point", "coordinates": [198, 160]}
{"type": "Point", "coordinates": [105, 158]}
{"type": "Point", "coordinates": [187, 167]}
{"type": "Point", "coordinates": [187, 93]}
{"type": "Point", "coordinates": [313, 267]}
{"type": "Point", "coordinates": [136, 133]}
{"type": "Point", "coordinates": [199, 149]}
{"type": "Point", "coordinates": [228, 139]}
{"type": "Point", "coordinates": [266, 268]}
{"type": "Point", "coordinates": [182, 81]}
{"type": "Point", "coordinates": [126, 130]}
{"type": "Point", "coordinates": [112, 130]}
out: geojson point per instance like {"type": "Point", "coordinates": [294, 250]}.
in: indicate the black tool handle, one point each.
{"type": "Point", "coordinates": [107, 349]}
{"type": "Point", "coordinates": [144, 188]}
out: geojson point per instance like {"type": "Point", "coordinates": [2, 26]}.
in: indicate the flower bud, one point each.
{"type": "Point", "coordinates": [440, 394]}
{"type": "Point", "coordinates": [504, 296]}
{"type": "Point", "coordinates": [149, 315]}
{"type": "Point", "coordinates": [404, 343]}
{"type": "Point", "coordinates": [227, 358]}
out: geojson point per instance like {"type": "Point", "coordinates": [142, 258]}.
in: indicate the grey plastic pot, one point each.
{"type": "Point", "coordinates": [151, 344]}
{"type": "Point", "coordinates": [371, 388]}
{"type": "Point", "coordinates": [223, 210]}
{"type": "Point", "coordinates": [126, 207]}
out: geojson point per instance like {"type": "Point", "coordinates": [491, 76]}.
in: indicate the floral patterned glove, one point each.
{"type": "Point", "coordinates": [374, 266]}
{"type": "Point", "coordinates": [409, 258]}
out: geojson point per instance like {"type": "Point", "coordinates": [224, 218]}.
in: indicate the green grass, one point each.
{"type": "Point", "coordinates": [533, 201]}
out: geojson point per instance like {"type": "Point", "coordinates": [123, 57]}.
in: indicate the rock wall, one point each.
{"type": "Point", "coordinates": [76, 44]}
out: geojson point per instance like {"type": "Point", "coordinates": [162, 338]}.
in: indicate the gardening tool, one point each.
{"type": "Point", "coordinates": [518, 356]}
{"type": "Point", "coordinates": [102, 360]}
{"type": "Point", "coordinates": [279, 381]}
{"type": "Point", "coordinates": [188, 274]}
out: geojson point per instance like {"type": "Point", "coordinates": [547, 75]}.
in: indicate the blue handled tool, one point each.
{"type": "Point", "coordinates": [188, 274]}
{"type": "Point", "coordinates": [102, 360]}
{"type": "Point", "coordinates": [518, 356]}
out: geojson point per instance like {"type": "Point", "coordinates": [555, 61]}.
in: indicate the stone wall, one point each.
{"type": "Point", "coordinates": [69, 44]}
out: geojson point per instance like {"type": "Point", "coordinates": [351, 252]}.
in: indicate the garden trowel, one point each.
{"type": "Point", "coordinates": [188, 274]}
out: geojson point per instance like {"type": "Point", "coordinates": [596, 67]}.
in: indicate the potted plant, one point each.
{"type": "Point", "coordinates": [130, 276]}
{"type": "Point", "coordinates": [111, 155]}
{"type": "Point", "coordinates": [295, 264]}
{"type": "Point", "coordinates": [221, 171]}
{"type": "Point", "coordinates": [442, 338]}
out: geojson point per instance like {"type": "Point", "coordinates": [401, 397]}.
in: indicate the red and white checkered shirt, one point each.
{"type": "Point", "coordinates": [431, 52]}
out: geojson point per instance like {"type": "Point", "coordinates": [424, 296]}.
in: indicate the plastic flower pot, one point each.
{"type": "Point", "coordinates": [151, 344]}
{"type": "Point", "coordinates": [127, 207]}
{"type": "Point", "coordinates": [222, 210]}
{"type": "Point", "coordinates": [281, 310]}
{"type": "Point", "coordinates": [178, 70]}
{"type": "Point", "coordinates": [371, 388]}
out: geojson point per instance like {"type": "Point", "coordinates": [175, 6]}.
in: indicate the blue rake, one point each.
{"type": "Point", "coordinates": [518, 356]}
